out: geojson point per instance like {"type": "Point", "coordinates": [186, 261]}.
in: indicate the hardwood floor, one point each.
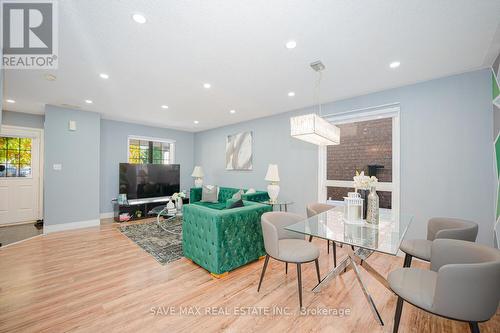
{"type": "Point", "coordinates": [96, 279]}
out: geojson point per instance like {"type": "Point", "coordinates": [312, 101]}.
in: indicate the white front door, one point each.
{"type": "Point", "coordinates": [20, 174]}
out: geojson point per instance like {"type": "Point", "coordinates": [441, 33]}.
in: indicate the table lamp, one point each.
{"type": "Point", "coordinates": [198, 175]}
{"type": "Point", "coordinates": [272, 176]}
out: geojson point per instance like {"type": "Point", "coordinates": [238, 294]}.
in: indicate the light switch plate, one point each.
{"type": "Point", "coordinates": [72, 125]}
{"type": "Point", "coordinates": [57, 167]}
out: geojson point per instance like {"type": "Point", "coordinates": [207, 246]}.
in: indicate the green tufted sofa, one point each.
{"type": "Point", "coordinates": [220, 239]}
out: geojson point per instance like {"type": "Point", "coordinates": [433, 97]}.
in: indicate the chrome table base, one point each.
{"type": "Point", "coordinates": [355, 258]}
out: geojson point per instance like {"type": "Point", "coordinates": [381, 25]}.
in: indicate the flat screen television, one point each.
{"type": "Point", "coordinates": [139, 181]}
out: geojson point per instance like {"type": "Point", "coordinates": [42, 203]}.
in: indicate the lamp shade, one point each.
{"type": "Point", "coordinates": [197, 172]}
{"type": "Point", "coordinates": [314, 129]}
{"type": "Point", "coordinates": [272, 173]}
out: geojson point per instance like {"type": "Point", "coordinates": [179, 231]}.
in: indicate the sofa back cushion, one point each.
{"type": "Point", "coordinates": [226, 193]}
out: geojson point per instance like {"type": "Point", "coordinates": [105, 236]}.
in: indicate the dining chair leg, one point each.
{"type": "Point", "coordinates": [310, 239]}
{"type": "Point", "coordinates": [407, 262]}
{"type": "Point", "coordinates": [397, 316]}
{"type": "Point", "coordinates": [263, 271]}
{"type": "Point", "coordinates": [286, 268]}
{"type": "Point", "coordinates": [317, 270]}
{"type": "Point", "coordinates": [334, 254]}
{"type": "Point", "coordinates": [474, 327]}
{"type": "Point", "coordinates": [299, 281]}
{"type": "Point", "coordinates": [327, 246]}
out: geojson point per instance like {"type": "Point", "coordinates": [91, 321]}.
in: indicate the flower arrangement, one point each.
{"type": "Point", "coordinates": [178, 195]}
{"type": "Point", "coordinates": [363, 182]}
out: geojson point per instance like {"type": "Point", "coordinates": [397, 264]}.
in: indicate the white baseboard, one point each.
{"type": "Point", "coordinates": [106, 215]}
{"type": "Point", "coordinates": [49, 228]}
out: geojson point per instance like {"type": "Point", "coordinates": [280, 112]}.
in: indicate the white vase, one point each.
{"type": "Point", "coordinates": [179, 204]}
{"type": "Point", "coordinates": [170, 205]}
{"type": "Point", "coordinates": [273, 190]}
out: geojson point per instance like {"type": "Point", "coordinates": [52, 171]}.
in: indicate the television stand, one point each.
{"type": "Point", "coordinates": [138, 208]}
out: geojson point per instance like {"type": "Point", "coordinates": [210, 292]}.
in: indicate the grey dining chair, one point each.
{"type": "Point", "coordinates": [438, 227]}
{"type": "Point", "coordinates": [287, 246]}
{"type": "Point", "coordinates": [463, 283]}
{"type": "Point", "coordinates": [316, 208]}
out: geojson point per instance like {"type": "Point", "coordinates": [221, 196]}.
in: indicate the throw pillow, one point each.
{"type": "Point", "coordinates": [236, 204]}
{"type": "Point", "coordinates": [209, 193]}
{"type": "Point", "coordinates": [250, 191]}
{"type": "Point", "coordinates": [238, 194]}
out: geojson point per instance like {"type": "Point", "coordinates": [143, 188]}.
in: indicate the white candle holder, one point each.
{"type": "Point", "coordinates": [353, 208]}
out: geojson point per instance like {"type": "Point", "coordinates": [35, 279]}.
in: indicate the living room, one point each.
{"type": "Point", "coordinates": [250, 166]}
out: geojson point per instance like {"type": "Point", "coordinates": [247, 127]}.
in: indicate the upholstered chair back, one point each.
{"type": "Point", "coordinates": [273, 230]}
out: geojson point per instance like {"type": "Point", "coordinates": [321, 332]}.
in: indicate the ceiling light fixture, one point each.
{"type": "Point", "coordinates": [394, 64]}
{"type": "Point", "coordinates": [232, 111]}
{"type": "Point", "coordinates": [50, 77]}
{"type": "Point", "coordinates": [139, 18]}
{"type": "Point", "coordinates": [104, 76]}
{"type": "Point", "coordinates": [207, 85]}
{"type": "Point", "coordinates": [291, 44]}
{"type": "Point", "coordinates": [164, 106]}
{"type": "Point", "coordinates": [291, 94]}
{"type": "Point", "coordinates": [196, 122]}
{"type": "Point", "coordinates": [11, 101]}
{"type": "Point", "coordinates": [88, 101]}
{"type": "Point", "coordinates": [312, 127]}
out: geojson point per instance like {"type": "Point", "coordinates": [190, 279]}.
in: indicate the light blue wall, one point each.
{"type": "Point", "coordinates": [446, 159]}
{"type": "Point", "coordinates": [114, 137]}
{"type": "Point", "coordinates": [72, 194]}
{"type": "Point", "coordinates": [23, 119]}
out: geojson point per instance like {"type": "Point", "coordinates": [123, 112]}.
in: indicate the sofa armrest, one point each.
{"type": "Point", "coordinates": [258, 196]}
{"type": "Point", "coordinates": [195, 194]}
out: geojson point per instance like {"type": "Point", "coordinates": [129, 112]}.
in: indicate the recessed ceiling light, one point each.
{"type": "Point", "coordinates": [291, 44]}
{"type": "Point", "coordinates": [232, 111]}
{"type": "Point", "coordinates": [291, 94]}
{"type": "Point", "coordinates": [104, 76]}
{"type": "Point", "coordinates": [11, 101]}
{"type": "Point", "coordinates": [139, 18]}
{"type": "Point", "coordinates": [50, 77]}
{"type": "Point", "coordinates": [88, 101]}
{"type": "Point", "coordinates": [196, 122]}
{"type": "Point", "coordinates": [164, 106]}
{"type": "Point", "coordinates": [395, 64]}
{"type": "Point", "coordinates": [207, 85]}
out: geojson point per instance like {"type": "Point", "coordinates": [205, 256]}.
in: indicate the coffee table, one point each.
{"type": "Point", "coordinates": [161, 211]}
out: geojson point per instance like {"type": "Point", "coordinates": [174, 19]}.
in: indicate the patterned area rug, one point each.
{"type": "Point", "coordinates": [164, 246]}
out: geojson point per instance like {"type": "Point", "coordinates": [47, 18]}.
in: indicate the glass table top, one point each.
{"type": "Point", "coordinates": [384, 237]}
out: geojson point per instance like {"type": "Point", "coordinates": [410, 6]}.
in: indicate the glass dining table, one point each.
{"type": "Point", "coordinates": [360, 239]}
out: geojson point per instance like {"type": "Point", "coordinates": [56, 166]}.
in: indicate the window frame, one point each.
{"type": "Point", "coordinates": [373, 113]}
{"type": "Point", "coordinates": [146, 138]}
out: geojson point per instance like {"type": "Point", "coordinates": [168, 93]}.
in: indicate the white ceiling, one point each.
{"type": "Point", "coordinates": [239, 47]}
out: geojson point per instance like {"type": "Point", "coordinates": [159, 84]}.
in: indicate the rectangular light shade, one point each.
{"type": "Point", "coordinates": [314, 129]}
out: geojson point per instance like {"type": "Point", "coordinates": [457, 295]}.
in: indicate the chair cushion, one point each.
{"type": "Point", "coordinates": [414, 285]}
{"type": "Point", "coordinates": [297, 250]}
{"type": "Point", "coordinates": [419, 248]}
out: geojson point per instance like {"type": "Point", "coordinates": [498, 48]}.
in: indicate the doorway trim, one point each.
{"type": "Point", "coordinates": [384, 111]}
{"type": "Point", "coordinates": [10, 130]}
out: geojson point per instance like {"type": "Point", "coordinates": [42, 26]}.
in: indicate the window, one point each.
{"type": "Point", "coordinates": [369, 142]}
{"type": "Point", "coordinates": [150, 151]}
{"type": "Point", "coordinates": [15, 157]}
